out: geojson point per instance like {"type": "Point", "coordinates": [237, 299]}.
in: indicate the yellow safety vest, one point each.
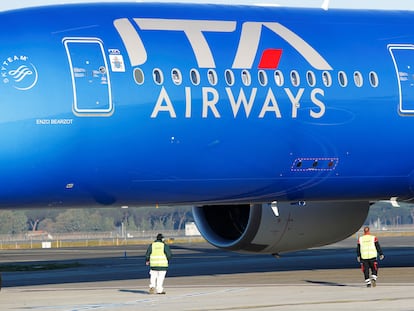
{"type": "Point", "coordinates": [368, 249]}
{"type": "Point", "coordinates": [157, 257]}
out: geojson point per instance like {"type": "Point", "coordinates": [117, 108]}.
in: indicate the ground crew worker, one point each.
{"type": "Point", "coordinates": [367, 251]}
{"type": "Point", "coordinates": [157, 257]}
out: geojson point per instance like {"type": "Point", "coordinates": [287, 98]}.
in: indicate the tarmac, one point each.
{"type": "Point", "coordinates": [204, 278]}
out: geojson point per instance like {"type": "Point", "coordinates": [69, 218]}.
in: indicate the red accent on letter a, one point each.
{"type": "Point", "coordinates": [270, 59]}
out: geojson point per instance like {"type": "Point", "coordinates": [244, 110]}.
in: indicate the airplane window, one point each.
{"type": "Point", "coordinates": [158, 76]}
{"type": "Point", "coordinates": [342, 78]}
{"type": "Point", "coordinates": [279, 80]}
{"type": "Point", "coordinates": [229, 77]}
{"type": "Point", "coordinates": [246, 78]}
{"type": "Point", "coordinates": [138, 76]}
{"type": "Point", "coordinates": [294, 78]}
{"type": "Point", "coordinates": [176, 76]}
{"type": "Point", "coordinates": [311, 78]}
{"type": "Point", "coordinates": [195, 76]}
{"type": "Point", "coordinates": [262, 78]}
{"type": "Point", "coordinates": [373, 79]}
{"type": "Point", "coordinates": [327, 78]}
{"type": "Point", "coordinates": [358, 79]}
{"type": "Point", "coordinates": [212, 77]}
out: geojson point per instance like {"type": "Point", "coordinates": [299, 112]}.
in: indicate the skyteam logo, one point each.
{"type": "Point", "coordinates": [18, 72]}
{"type": "Point", "coordinates": [251, 53]}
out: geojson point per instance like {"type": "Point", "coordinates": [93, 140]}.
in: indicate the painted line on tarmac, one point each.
{"type": "Point", "coordinates": [159, 299]}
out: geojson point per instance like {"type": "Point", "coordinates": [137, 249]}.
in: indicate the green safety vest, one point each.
{"type": "Point", "coordinates": [368, 249]}
{"type": "Point", "coordinates": [157, 257]}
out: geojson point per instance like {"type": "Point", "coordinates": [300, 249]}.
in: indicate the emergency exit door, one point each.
{"type": "Point", "coordinates": [90, 77]}
{"type": "Point", "coordinates": [403, 57]}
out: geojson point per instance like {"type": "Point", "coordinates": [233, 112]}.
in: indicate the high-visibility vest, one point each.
{"type": "Point", "coordinates": [367, 245]}
{"type": "Point", "coordinates": [157, 257]}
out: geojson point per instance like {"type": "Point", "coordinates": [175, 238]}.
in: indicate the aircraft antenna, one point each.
{"type": "Point", "coordinates": [325, 5]}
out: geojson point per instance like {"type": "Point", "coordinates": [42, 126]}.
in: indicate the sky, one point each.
{"type": "Point", "coordinates": [353, 4]}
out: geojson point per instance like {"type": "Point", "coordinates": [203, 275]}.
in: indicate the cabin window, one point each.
{"type": "Point", "coordinates": [138, 76]}
{"type": "Point", "coordinates": [358, 80]}
{"type": "Point", "coordinates": [373, 79]}
{"type": "Point", "coordinates": [212, 77]}
{"type": "Point", "coordinates": [327, 78]}
{"type": "Point", "coordinates": [176, 76]}
{"type": "Point", "coordinates": [310, 76]}
{"type": "Point", "coordinates": [195, 77]}
{"type": "Point", "coordinates": [279, 79]}
{"type": "Point", "coordinates": [262, 78]}
{"type": "Point", "coordinates": [246, 78]}
{"type": "Point", "coordinates": [343, 79]}
{"type": "Point", "coordinates": [229, 76]}
{"type": "Point", "coordinates": [158, 76]}
{"type": "Point", "coordinates": [294, 78]}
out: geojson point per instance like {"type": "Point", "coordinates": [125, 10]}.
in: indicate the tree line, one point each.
{"type": "Point", "coordinates": [382, 214]}
{"type": "Point", "coordinates": [94, 219]}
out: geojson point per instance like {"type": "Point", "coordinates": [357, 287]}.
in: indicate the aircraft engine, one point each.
{"type": "Point", "coordinates": [279, 226]}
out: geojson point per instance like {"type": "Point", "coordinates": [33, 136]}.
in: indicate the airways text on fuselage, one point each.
{"type": "Point", "coordinates": [264, 100]}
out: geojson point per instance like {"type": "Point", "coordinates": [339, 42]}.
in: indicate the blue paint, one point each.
{"type": "Point", "coordinates": [80, 128]}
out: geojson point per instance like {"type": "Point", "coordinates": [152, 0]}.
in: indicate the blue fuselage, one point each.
{"type": "Point", "coordinates": [134, 104]}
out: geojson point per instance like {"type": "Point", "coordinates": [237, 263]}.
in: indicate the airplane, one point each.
{"type": "Point", "coordinates": [279, 125]}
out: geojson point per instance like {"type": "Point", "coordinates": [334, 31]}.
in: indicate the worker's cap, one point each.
{"type": "Point", "coordinates": [160, 236]}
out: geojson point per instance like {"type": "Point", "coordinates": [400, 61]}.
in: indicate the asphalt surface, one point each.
{"type": "Point", "coordinates": [204, 278]}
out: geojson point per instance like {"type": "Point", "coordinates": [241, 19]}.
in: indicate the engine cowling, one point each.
{"type": "Point", "coordinates": [279, 227]}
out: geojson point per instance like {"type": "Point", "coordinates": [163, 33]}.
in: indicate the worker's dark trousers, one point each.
{"type": "Point", "coordinates": [367, 264]}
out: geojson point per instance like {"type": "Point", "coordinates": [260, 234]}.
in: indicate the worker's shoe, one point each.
{"type": "Point", "coordinates": [161, 293]}
{"type": "Point", "coordinates": [374, 281]}
{"type": "Point", "coordinates": [368, 282]}
{"type": "Point", "coordinates": [152, 290]}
